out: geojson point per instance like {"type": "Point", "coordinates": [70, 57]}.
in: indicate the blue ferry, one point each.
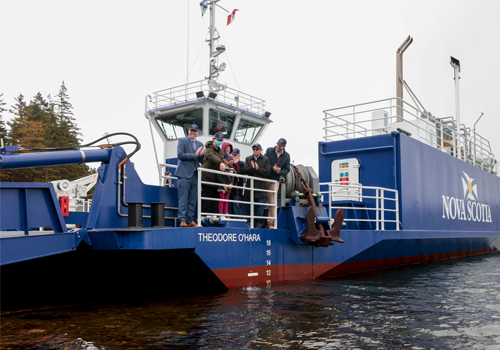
{"type": "Point", "coordinates": [394, 186]}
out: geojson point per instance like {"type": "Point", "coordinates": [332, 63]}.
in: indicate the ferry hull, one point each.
{"type": "Point", "coordinates": [105, 252]}
{"type": "Point", "coordinates": [201, 263]}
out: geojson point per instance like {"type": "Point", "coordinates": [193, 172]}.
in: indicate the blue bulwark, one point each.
{"type": "Point", "coordinates": [25, 208]}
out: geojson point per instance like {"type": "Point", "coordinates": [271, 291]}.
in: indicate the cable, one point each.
{"type": "Point", "coordinates": [90, 144]}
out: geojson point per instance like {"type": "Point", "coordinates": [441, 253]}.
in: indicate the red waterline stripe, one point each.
{"type": "Point", "coordinates": [264, 275]}
{"type": "Point", "coordinates": [378, 264]}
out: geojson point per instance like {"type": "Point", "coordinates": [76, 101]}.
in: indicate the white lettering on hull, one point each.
{"type": "Point", "coordinates": [456, 209]}
{"type": "Point", "coordinates": [229, 237]}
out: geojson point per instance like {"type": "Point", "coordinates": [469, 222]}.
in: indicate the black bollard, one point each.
{"type": "Point", "coordinates": [135, 214]}
{"type": "Point", "coordinates": [157, 214]}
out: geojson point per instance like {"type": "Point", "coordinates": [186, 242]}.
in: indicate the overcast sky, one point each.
{"type": "Point", "coordinates": [301, 57]}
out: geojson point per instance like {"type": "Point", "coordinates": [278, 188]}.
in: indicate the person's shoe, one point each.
{"type": "Point", "coordinates": [183, 224]}
{"type": "Point", "coordinates": [268, 226]}
{"type": "Point", "coordinates": [192, 224]}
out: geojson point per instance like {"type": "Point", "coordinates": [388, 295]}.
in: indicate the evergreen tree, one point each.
{"type": "Point", "coordinates": [20, 111]}
{"type": "Point", "coordinates": [4, 134]}
{"type": "Point", "coordinates": [3, 125]}
{"type": "Point", "coordinates": [39, 124]}
{"type": "Point", "coordinates": [25, 131]}
{"type": "Point", "coordinates": [64, 111]}
{"type": "Point", "coordinates": [40, 110]}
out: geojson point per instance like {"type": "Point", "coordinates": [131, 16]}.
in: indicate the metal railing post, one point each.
{"type": "Point", "coordinates": [199, 195]}
{"type": "Point", "coordinates": [397, 210]}
{"type": "Point", "coordinates": [276, 187]}
{"type": "Point", "coordinates": [354, 122]}
{"type": "Point", "coordinates": [330, 195]}
{"type": "Point", "coordinates": [377, 210]}
{"type": "Point", "coordinates": [441, 140]}
{"type": "Point", "coordinates": [326, 126]}
{"type": "Point", "coordinates": [251, 203]}
{"type": "Point", "coordinates": [382, 198]}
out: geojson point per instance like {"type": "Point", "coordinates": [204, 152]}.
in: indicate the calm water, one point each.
{"type": "Point", "coordinates": [447, 305]}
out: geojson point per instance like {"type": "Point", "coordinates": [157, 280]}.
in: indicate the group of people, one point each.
{"type": "Point", "coordinates": [220, 155]}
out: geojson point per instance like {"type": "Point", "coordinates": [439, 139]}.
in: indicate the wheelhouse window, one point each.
{"type": "Point", "coordinates": [174, 126]}
{"type": "Point", "coordinates": [247, 131]}
{"type": "Point", "coordinates": [219, 121]}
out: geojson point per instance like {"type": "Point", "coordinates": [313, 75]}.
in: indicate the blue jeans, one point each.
{"type": "Point", "coordinates": [235, 208]}
{"type": "Point", "coordinates": [187, 192]}
{"type": "Point", "coordinates": [259, 211]}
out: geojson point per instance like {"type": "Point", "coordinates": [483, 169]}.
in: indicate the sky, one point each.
{"type": "Point", "coordinates": [301, 57]}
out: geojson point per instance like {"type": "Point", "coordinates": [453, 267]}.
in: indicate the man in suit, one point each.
{"type": "Point", "coordinates": [190, 154]}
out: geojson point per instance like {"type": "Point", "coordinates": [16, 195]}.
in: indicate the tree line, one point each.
{"type": "Point", "coordinates": [41, 123]}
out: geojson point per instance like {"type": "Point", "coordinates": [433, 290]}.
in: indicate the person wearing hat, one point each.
{"type": "Point", "coordinates": [190, 154]}
{"type": "Point", "coordinates": [213, 160]}
{"type": "Point", "coordinates": [237, 193]}
{"type": "Point", "coordinates": [280, 165]}
{"type": "Point", "coordinates": [258, 165]}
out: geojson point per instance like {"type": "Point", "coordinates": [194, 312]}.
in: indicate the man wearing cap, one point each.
{"type": "Point", "coordinates": [213, 160]}
{"type": "Point", "coordinates": [258, 165]}
{"type": "Point", "coordinates": [190, 154]}
{"type": "Point", "coordinates": [280, 165]}
{"type": "Point", "coordinates": [237, 193]}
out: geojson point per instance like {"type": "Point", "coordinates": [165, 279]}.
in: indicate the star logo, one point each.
{"type": "Point", "coordinates": [470, 191]}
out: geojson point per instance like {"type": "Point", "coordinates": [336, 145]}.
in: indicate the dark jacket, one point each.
{"type": "Point", "coordinates": [238, 181]}
{"type": "Point", "coordinates": [225, 180]}
{"type": "Point", "coordinates": [213, 158]}
{"type": "Point", "coordinates": [264, 171]}
{"type": "Point", "coordinates": [283, 162]}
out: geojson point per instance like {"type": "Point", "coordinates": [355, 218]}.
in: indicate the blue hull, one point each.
{"type": "Point", "coordinates": [439, 219]}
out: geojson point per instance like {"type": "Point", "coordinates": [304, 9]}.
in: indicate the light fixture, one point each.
{"type": "Point", "coordinates": [200, 95]}
{"type": "Point", "coordinates": [455, 63]}
{"type": "Point", "coordinates": [212, 95]}
{"type": "Point", "coordinates": [266, 114]}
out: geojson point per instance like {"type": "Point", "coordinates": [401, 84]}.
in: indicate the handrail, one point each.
{"type": "Point", "coordinates": [163, 165]}
{"type": "Point", "coordinates": [360, 196]}
{"type": "Point", "coordinates": [441, 133]}
{"type": "Point", "coordinates": [246, 188]}
{"type": "Point", "coordinates": [187, 92]}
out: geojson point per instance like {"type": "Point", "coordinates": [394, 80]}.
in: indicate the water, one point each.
{"type": "Point", "coordinates": [446, 305]}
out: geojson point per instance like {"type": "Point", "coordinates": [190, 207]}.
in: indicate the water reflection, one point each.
{"type": "Point", "coordinates": [453, 304]}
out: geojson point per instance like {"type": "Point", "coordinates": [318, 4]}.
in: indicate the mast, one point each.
{"type": "Point", "coordinates": [214, 51]}
{"type": "Point", "coordinates": [212, 30]}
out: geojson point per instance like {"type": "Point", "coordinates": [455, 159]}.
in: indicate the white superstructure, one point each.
{"type": "Point", "coordinates": [213, 106]}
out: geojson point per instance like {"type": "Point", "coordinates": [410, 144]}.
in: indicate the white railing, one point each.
{"type": "Point", "coordinates": [380, 117]}
{"type": "Point", "coordinates": [250, 187]}
{"type": "Point", "coordinates": [80, 204]}
{"type": "Point", "coordinates": [357, 193]}
{"type": "Point", "coordinates": [187, 92]}
{"type": "Point", "coordinates": [163, 168]}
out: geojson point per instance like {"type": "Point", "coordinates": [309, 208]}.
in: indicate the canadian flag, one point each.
{"type": "Point", "coordinates": [230, 18]}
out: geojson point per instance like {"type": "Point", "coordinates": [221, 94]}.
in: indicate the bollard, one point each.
{"type": "Point", "coordinates": [157, 214]}
{"type": "Point", "coordinates": [135, 214]}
